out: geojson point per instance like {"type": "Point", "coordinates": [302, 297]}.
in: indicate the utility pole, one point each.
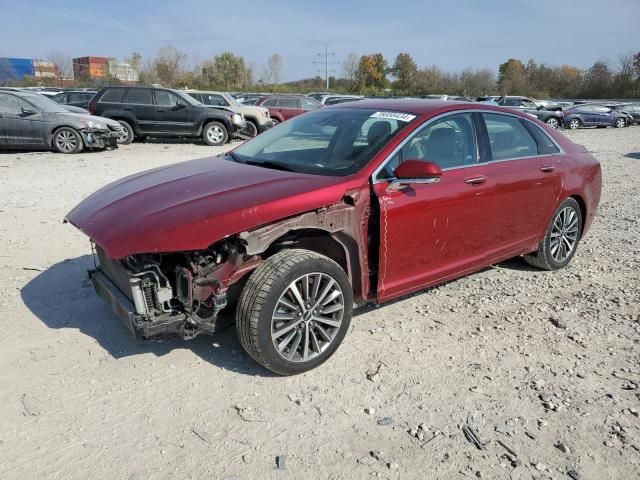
{"type": "Point", "coordinates": [326, 62]}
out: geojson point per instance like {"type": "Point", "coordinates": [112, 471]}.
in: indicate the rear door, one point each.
{"type": "Point", "coordinates": [605, 116]}
{"type": "Point", "coordinates": [139, 102]}
{"type": "Point", "coordinates": [432, 232]}
{"type": "Point", "coordinates": [173, 115]}
{"type": "Point", "coordinates": [289, 107]}
{"type": "Point", "coordinates": [525, 165]}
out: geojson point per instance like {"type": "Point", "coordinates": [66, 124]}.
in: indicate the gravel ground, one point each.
{"type": "Point", "coordinates": [543, 367]}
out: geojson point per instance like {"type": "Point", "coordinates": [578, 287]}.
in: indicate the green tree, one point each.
{"type": "Point", "coordinates": [598, 81]}
{"type": "Point", "coordinates": [405, 71]}
{"type": "Point", "coordinates": [226, 71]}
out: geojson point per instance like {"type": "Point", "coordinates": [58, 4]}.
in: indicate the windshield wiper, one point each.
{"type": "Point", "coordinates": [234, 157]}
{"type": "Point", "coordinates": [269, 164]}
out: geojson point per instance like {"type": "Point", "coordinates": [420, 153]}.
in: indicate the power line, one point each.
{"type": "Point", "coordinates": [326, 62]}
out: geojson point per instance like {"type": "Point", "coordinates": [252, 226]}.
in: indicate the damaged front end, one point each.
{"type": "Point", "coordinates": [102, 138]}
{"type": "Point", "coordinates": [181, 293]}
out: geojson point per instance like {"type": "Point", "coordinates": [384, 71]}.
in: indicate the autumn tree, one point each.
{"type": "Point", "coordinates": [135, 60]}
{"type": "Point", "coordinates": [512, 77]}
{"type": "Point", "coordinates": [404, 70]}
{"type": "Point", "coordinates": [169, 65]}
{"type": "Point", "coordinates": [62, 64]}
{"type": "Point", "coordinates": [372, 72]}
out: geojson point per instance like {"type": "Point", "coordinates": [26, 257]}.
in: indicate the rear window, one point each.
{"type": "Point", "coordinates": [546, 146]}
{"type": "Point", "coordinates": [508, 137]}
{"type": "Point", "coordinates": [140, 96]}
{"type": "Point", "coordinates": [270, 102]}
{"type": "Point", "coordinates": [113, 95]}
{"type": "Point", "coordinates": [288, 103]}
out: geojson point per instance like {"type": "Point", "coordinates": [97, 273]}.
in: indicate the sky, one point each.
{"type": "Point", "coordinates": [452, 34]}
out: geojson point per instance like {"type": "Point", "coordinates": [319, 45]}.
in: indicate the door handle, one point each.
{"type": "Point", "coordinates": [479, 180]}
{"type": "Point", "coordinates": [547, 168]}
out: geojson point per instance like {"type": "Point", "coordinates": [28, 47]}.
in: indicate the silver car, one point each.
{"type": "Point", "coordinates": [31, 121]}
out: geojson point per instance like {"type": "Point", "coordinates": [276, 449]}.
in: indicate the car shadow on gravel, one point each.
{"type": "Point", "coordinates": [635, 155]}
{"type": "Point", "coordinates": [62, 297]}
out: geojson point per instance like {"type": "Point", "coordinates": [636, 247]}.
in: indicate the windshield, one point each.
{"type": "Point", "coordinates": [232, 101]}
{"type": "Point", "coordinates": [335, 142]}
{"type": "Point", "coordinates": [44, 104]}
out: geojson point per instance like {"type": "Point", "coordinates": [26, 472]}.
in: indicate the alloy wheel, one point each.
{"type": "Point", "coordinates": [553, 122]}
{"type": "Point", "coordinates": [564, 234]}
{"type": "Point", "coordinates": [307, 317]}
{"type": "Point", "coordinates": [574, 123]}
{"type": "Point", "coordinates": [621, 122]}
{"type": "Point", "coordinates": [215, 134]}
{"type": "Point", "coordinates": [66, 141]}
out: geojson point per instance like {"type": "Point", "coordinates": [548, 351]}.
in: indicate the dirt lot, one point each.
{"type": "Point", "coordinates": [543, 366]}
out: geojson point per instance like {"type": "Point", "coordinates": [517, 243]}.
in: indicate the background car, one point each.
{"type": "Point", "coordinates": [30, 120]}
{"type": "Point", "coordinates": [284, 107]}
{"type": "Point", "coordinates": [162, 112]}
{"type": "Point", "coordinates": [258, 119]}
{"type": "Point", "coordinates": [75, 98]}
{"type": "Point", "coordinates": [594, 115]}
{"type": "Point", "coordinates": [551, 114]}
{"type": "Point", "coordinates": [334, 99]}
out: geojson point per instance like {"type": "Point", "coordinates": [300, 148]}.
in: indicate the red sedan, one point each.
{"type": "Point", "coordinates": [361, 202]}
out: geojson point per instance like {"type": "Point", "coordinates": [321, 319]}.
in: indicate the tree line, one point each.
{"type": "Point", "coordinates": [373, 74]}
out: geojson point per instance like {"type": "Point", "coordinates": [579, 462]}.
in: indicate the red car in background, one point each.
{"type": "Point", "coordinates": [355, 203]}
{"type": "Point", "coordinates": [284, 107]}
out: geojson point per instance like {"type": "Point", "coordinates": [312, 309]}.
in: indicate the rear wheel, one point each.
{"type": "Point", "coordinates": [215, 134]}
{"type": "Point", "coordinates": [561, 240]}
{"type": "Point", "coordinates": [250, 129]}
{"type": "Point", "coordinates": [553, 122]}
{"type": "Point", "coordinates": [127, 137]}
{"type": "Point", "coordinates": [620, 123]}
{"type": "Point", "coordinates": [294, 311]}
{"type": "Point", "coordinates": [575, 123]}
{"type": "Point", "coordinates": [67, 140]}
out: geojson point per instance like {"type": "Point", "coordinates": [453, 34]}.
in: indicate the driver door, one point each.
{"type": "Point", "coordinates": [18, 128]}
{"type": "Point", "coordinates": [432, 232]}
{"type": "Point", "coordinates": [173, 115]}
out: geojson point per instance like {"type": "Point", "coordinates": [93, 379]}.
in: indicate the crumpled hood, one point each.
{"type": "Point", "coordinates": [190, 205]}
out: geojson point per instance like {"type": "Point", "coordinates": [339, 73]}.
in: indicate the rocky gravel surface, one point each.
{"type": "Point", "coordinates": [510, 373]}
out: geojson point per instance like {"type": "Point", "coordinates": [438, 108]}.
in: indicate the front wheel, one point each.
{"type": "Point", "coordinates": [561, 239]}
{"type": "Point", "coordinates": [621, 123]}
{"type": "Point", "coordinates": [128, 135]}
{"type": "Point", "coordinates": [553, 122]}
{"type": "Point", "coordinates": [294, 311]}
{"type": "Point", "coordinates": [250, 129]}
{"type": "Point", "coordinates": [215, 134]}
{"type": "Point", "coordinates": [67, 140]}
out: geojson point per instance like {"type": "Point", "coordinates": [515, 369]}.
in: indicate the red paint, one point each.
{"type": "Point", "coordinates": [427, 233]}
{"type": "Point", "coordinates": [418, 169]}
{"type": "Point", "coordinates": [282, 113]}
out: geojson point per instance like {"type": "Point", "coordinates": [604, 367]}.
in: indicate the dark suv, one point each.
{"type": "Point", "coordinates": [161, 112]}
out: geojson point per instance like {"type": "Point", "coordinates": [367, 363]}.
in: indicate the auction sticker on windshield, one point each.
{"type": "Point", "coordinates": [403, 117]}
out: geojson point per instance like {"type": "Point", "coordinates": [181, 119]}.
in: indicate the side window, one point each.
{"type": "Point", "coordinates": [511, 102]}
{"type": "Point", "coordinates": [450, 142]}
{"type": "Point", "coordinates": [602, 109]}
{"type": "Point", "coordinates": [288, 103]}
{"type": "Point", "coordinates": [215, 100]}
{"type": "Point", "coordinates": [113, 95]}
{"type": "Point", "coordinates": [166, 99]}
{"type": "Point", "coordinates": [308, 104]}
{"type": "Point", "coordinates": [508, 137]}
{"type": "Point", "coordinates": [139, 96]}
{"type": "Point", "coordinates": [528, 103]}
{"type": "Point", "coordinates": [546, 146]}
{"type": "Point", "coordinates": [10, 104]}
{"type": "Point", "coordinates": [271, 102]}
{"type": "Point", "coordinates": [77, 97]}
{"type": "Point", "coordinates": [196, 96]}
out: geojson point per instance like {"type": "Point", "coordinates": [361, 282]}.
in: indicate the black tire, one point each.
{"type": "Point", "coordinates": [553, 122]}
{"type": "Point", "coordinates": [250, 129]}
{"type": "Point", "coordinates": [575, 123]}
{"type": "Point", "coordinates": [275, 121]}
{"type": "Point", "coordinates": [215, 134]}
{"type": "Point", "coordinates": [67, 140]}
{"type": "Point", "coordinates": [544, 258]}
{"type": "Point", "coordinates": [130, 134]}
{"type": "Point", "coordinates": [261, 296]}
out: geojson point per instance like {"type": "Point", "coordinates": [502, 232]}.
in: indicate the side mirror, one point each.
{"type": "Point", "coordinates": [28, 111]}
{"type": "Point", "coordinates": [415, 171]}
